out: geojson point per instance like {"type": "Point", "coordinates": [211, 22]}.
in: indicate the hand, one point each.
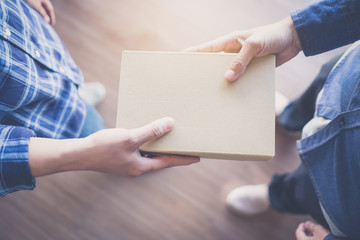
{"type": "Point", "coordinates": [311, 231]}
{"type": "Point", "coordinates": [113, 151]}
{"type": "Point", "coordinates": [45, 8]}
{"type": "Point", "coordinates": [279, 38]}
{"type": "Point", "coordinates": [117, 150]}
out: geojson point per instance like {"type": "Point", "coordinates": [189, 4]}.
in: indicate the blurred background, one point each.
{"type": "Point", "coordinates": [185, 203]}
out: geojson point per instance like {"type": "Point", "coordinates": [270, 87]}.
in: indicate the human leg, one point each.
{"type": "Point", "coordinates": [300, 111]}
{"type": "Point", "coordinates": [93, 121]}
{"type": "Point", "coordinates": [294, 193]}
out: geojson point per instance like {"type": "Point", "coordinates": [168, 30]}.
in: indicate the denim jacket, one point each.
{"type": "Point", "coordinates": [332, 154]}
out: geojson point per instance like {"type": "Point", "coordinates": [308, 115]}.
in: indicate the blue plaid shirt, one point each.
{"type": "Point", "coordinates": [38, 91]}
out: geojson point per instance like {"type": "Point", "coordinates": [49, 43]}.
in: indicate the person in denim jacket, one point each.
{"type": "Point", "coordinates": [327, 183]}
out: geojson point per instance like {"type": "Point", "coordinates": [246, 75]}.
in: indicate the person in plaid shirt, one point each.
{"type": "Point", "coordinates": [44, 122]}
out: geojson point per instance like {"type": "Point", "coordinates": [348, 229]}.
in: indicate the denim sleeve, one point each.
{"type": "Point", "coordinates": [332, 237]}
{"type": "Point", "coordinates": [14, 163]}
{"type": "Point", "coordinates": [327, 25]}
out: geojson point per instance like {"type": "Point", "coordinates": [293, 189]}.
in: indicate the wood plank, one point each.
{"type": "Point", "coordinates": [180, 203]}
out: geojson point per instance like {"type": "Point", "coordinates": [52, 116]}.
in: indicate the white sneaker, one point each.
{"type": "Point", "coordinates": [93, 92]}
{"type": "Point", "coordinates": [280, 102]}
{"type": "Point", "coordinates": [249, 199]}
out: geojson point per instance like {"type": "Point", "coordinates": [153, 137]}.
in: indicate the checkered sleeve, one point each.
{"type": "Point", "coordinates": [14, 163]}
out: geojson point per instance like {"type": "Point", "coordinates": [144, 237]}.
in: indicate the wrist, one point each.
{"type": "Point", "coordinates": [48, 156]}
{"type": "Point", "coordinates": [295, 37]}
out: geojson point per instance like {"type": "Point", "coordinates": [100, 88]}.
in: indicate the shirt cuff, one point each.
{"type": "Point", "coordinates": [332, 237]}
{"type": "Point", "coordinates": [327, 25]}
{"type": "Point", "coordinates": [14, 160]}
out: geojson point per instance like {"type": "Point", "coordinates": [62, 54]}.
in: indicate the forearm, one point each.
{"type": "Point", "coordinates": [113, 151]}
{"type": "Point", "coordinates": [48, 156]}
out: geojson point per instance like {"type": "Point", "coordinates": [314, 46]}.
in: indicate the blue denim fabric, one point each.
{"type": "Point", "coordinates": [300, 111]}
{"type": "Point", "coordinates": [327, 24]}
{"type": "Point", "coordinates": [332, 155]}
{"type": "Point", "coordinates": [332, 237]}
{"type": "Point", "coordinates": [93, 122]}
{"type": "Point", "coordinates": [294, 193]}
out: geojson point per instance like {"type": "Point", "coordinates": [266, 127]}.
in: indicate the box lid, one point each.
{"type": "Point", "coordinates": [213, 118]}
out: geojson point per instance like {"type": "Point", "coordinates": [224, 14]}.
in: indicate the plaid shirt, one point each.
{"type": "Point", "coordinates": [38, 91]}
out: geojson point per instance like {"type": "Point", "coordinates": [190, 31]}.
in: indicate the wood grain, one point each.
{"type": "Point", "coordinates": [180, 203]}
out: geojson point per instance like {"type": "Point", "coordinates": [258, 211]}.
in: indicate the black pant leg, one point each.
{"type": "Point", "coordinates": [294, 193]}
{"type": "Point", "coordinates": [300, 111]}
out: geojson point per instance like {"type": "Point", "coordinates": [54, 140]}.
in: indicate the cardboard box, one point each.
{"type": "Point", "coordinates": [213, 118]}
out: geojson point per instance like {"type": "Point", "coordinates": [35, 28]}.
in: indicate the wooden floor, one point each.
{"type": "Point", "coordinates": [185, 203]}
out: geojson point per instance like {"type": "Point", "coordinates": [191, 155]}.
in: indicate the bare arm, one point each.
{"type": "Point", "coordinates": [111, 151]}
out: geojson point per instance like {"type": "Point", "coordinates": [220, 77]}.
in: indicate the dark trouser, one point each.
{"type": "Point", "coordinates": [300, 111]}
{"type": "Point", "coordinates": [293, 192]}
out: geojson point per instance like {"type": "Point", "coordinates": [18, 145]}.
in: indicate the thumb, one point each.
{"type": "Point", "coordinates": [153, 130]}
{"type": "Point", "coordinates": [238, 66]}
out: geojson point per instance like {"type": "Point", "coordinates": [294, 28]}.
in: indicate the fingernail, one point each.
{"type": "Point", "coordinates": [169, 124]}
{"type": "Point", "coordinates": [230, 75]}
{"type": "Point", "coordinates": [47, 19]}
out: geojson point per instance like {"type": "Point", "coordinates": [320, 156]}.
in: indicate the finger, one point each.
{"type": "Point", "coordinates": [47, 5]}
{"type": "Point", "coordinates": [166, 161]}
{"type": "Point", "coordinates": [300, 232]}
{"type": "Point", "coordinates": [241, 61]}
{"type": "Point", "coordinates": [153, 130]}
{"type": "Point", "coordinates": [227, 43]}
{"type": "Point", "coordinates": [316, 229]}
{"type": "Point", "coordinates": [310, 226]}
{"type": "Point", "coordinates": [42, 12]}
{"type": "Point", "coordinates": [212, 46]}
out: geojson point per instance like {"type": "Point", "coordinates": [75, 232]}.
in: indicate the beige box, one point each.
{"type": "Point", "coordinates": [213, 118]}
